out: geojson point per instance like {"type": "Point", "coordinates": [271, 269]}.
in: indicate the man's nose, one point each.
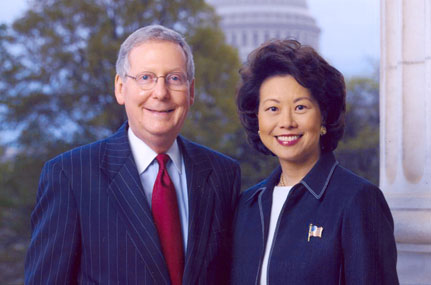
{"type": "Point", "coordinates": [160, 90]}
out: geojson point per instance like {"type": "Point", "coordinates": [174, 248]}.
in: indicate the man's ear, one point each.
{"type": "Point", "coordinates": [119, 89]}
{"type": "Point", "coordinates": [192, 92]}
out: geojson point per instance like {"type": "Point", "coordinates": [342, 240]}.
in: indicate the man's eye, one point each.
{"type": "Point", "coordinates": [145, 77]}
{"type": "Point", "coordinates": [175, 77]}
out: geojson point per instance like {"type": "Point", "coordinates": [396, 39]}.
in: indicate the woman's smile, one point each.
{"type": "Point", "coordinates": [288, 140]}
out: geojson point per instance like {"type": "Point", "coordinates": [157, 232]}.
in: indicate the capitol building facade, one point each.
{"type": "Point", "coordinates": [249, 23]}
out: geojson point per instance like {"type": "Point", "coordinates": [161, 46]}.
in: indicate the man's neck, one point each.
{"type": "Point", "coordinates": [159, 144]}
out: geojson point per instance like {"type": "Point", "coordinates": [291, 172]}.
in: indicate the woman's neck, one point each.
{"type": "Point", "coordinates": [294, 172]}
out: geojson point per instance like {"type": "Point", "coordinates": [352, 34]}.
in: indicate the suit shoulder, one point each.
{"type": "Point", "coordinates": [92, 151]}
{"type": "Point", "coordinates": [345, 175]}
{"type": "Point", "coordinates": [354, 185]}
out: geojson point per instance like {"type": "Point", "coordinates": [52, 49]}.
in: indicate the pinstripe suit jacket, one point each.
{"type": "Point", "coordinates": [92, 223]}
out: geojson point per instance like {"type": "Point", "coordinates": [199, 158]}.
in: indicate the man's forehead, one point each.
{"type": "Point", "coordinates": [152, 48]}
{"type": "Point", "coordinates": [152, 44]}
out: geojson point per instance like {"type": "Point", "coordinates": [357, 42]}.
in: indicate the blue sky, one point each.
{"type": "Point", "coordinates": [350, 36]}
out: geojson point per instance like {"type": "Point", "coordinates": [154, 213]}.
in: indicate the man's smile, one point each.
{"type": "Point", "coordinates": [159, 110]}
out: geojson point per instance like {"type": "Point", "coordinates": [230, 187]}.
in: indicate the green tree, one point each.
{"type": "Point", "coordinates": [359, 149]}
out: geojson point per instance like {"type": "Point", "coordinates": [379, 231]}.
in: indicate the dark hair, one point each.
{"type": "Point", "coordinates": [289, 57]}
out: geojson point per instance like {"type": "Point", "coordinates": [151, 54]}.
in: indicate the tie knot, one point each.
{"type": "Point", "coordinates": [162, 159]}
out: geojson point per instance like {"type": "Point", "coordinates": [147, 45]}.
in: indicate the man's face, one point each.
{"type": "Point", "coordinates": [155, 115]}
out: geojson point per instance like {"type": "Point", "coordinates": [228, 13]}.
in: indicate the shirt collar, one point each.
{"type": "Point", "coordinates": [144, 155]}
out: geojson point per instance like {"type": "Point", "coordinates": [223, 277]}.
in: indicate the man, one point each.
{"type": "Point", "coordinates": [104, 212]}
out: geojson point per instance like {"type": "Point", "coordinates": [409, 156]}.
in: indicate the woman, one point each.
{"type": "Point", "coordinates": [311, 221]}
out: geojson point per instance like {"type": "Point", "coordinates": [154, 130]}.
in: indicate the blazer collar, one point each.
{"type": "Point", "coordinates": [316, 181]}
{"type": "Point", "coordinates": [116, 150]}
{"type": "Point", "coordinates": [266, 185]}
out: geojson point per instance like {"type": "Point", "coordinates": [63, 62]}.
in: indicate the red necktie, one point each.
{"type": "Point", "coordinates": [164, 206]}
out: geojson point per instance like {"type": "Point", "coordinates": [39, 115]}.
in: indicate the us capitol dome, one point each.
{"type": "Point", "coordinates": [249, 23]}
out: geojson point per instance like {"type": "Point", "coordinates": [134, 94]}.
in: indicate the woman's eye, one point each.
{"type": "Point", "coordinates": [300, 107]}
{"type": "Point", "coordinates": [272, 109]}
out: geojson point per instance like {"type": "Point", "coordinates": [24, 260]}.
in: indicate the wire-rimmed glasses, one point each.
{"type": "Point", "coordinates": [174, 81]}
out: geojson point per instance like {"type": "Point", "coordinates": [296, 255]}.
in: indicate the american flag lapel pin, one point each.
{"type": "Point", "coordinates": [314, 231]}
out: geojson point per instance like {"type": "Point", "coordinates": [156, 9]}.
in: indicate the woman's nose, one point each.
{"type": "Point", "coordinates": [287, 120]}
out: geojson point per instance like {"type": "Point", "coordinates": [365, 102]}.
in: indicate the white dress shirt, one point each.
{"type": "Point", "coordinates": [148, 168]}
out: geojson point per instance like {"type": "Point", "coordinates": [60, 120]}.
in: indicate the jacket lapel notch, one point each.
{"type": "Point", "coordinates": [317, 180]}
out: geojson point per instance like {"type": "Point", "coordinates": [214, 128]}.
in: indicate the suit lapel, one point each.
{"type": "Point", "coordinates": [201, 204]}
{"type": "Point", "coordinates": [127, 197]}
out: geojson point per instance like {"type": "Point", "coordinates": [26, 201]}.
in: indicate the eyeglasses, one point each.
{"type": "Point", "coordinates": [174, 81]}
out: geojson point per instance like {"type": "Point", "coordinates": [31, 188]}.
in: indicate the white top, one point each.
{"type": "Point", "coordinates": [148, 167]}
{"type": "Point", "coordinates": [278, 198]}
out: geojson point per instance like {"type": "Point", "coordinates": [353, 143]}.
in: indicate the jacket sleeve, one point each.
{"type": "Point", "coordinates": [369, 249]}
{"type": "Point", "coordinates": [53, 254]}
{"type": "Point", "coordinates": [236, 187]}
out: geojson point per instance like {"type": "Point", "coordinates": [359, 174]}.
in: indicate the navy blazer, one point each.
{"type": "Point", "coordinates": [92, 223]}
{"type": "Point", "coordinates": [357, 243]}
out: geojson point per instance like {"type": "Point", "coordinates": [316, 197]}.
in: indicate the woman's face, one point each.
{"type": "Point", "coordinates": [289, 121]}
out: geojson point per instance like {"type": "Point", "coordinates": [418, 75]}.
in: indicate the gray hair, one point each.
{"type": "Point", "coordinates": [148, 33]}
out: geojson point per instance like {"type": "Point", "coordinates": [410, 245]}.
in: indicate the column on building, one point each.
{"type": "Point", "coordinates": [405, 131]}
